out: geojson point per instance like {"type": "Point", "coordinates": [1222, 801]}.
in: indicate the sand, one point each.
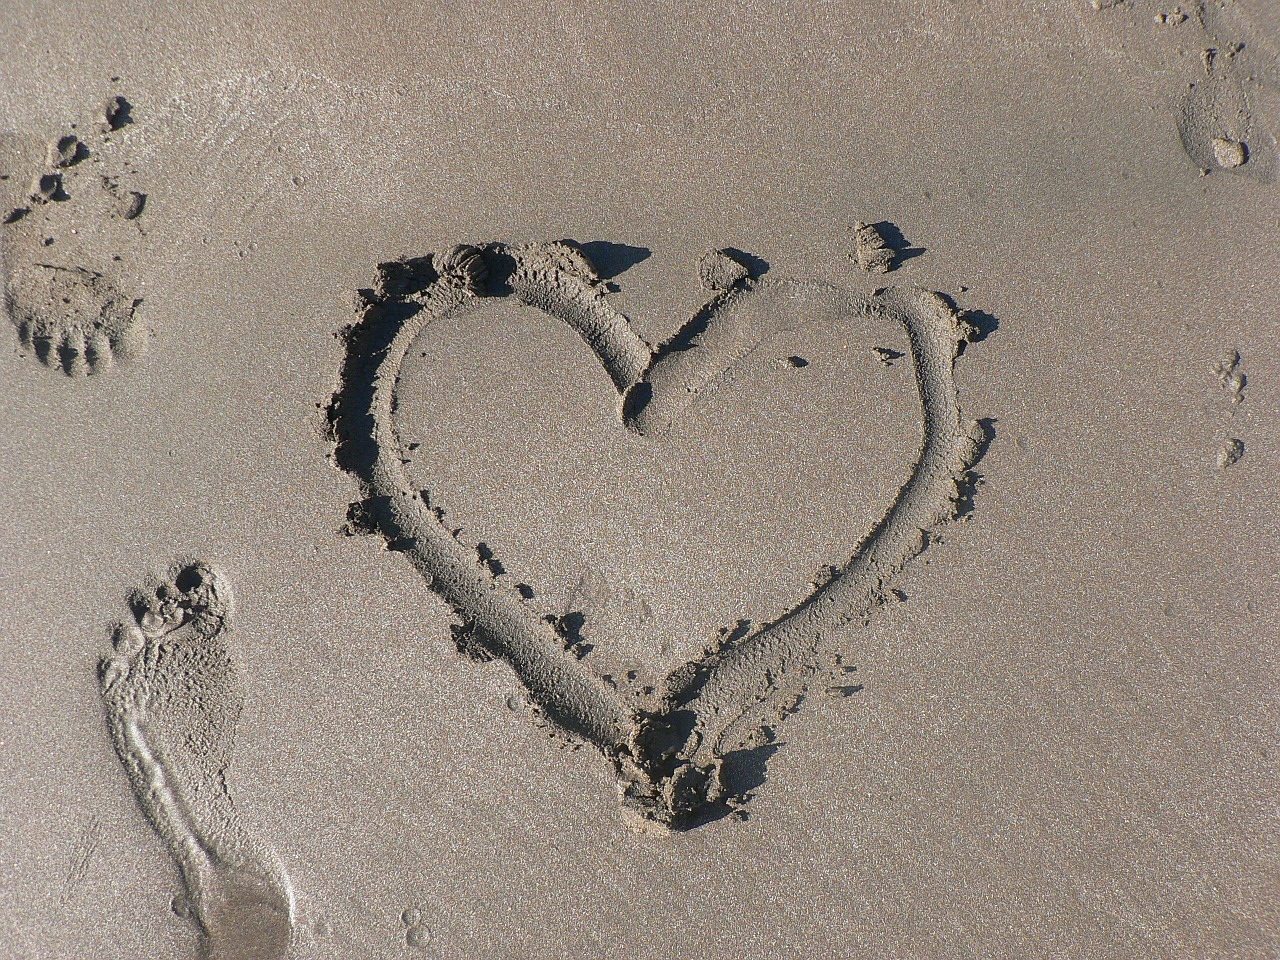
{"type": "Point", "coordinates": [680, 482]}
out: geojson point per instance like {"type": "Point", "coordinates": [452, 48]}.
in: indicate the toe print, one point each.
{"type": "Point", "coordinates": [73, 319]}
{"type": "Point", "coordinates": [66, 292]}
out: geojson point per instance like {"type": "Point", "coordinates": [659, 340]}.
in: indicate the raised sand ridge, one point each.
{"type": "Point", "coordinates": [668, 760]}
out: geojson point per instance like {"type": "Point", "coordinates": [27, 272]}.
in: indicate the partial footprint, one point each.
{"type": "Point", "coordinates": [173, 699]}
{"type": "Point", "coordinates": [1216, 72]}
{"type": "Point", "coordinates": [73, 319]}
{"type": "Point", "coordinates": [63, 246]}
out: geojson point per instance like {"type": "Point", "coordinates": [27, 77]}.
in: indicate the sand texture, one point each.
{"type": "Point", "coordinates": [640, 481]}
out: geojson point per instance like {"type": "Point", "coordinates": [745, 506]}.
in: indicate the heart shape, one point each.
{"type": "Point", "coordinates": [668, 760]}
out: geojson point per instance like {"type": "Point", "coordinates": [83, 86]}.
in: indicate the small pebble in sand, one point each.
{"type": "Point", "coordinates": [1230, 453]}
{"type": "Point", "coordinates": [1229, 153]}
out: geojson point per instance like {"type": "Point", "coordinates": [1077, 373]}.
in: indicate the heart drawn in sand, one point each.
{"type": "Point", "coordinates": [668, 759]}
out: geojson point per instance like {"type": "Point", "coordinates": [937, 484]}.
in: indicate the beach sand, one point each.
{"type": "Point", "coordinates": [1012, 628]}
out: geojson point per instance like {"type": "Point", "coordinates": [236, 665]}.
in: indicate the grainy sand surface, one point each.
{"type": "Point", "coordinates": [1053, 733]}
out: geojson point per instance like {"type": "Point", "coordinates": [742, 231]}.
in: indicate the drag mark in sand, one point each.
{"type": "Point", "coordinates": [86, 846]}
{"type": "Point", "coordinates": [173, 699]}
{"type": "Point", "coordinates": [668, 759]}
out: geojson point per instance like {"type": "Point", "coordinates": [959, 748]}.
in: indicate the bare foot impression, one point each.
{"type": "Point", "coordinates": [668, 755]}
{"type": "Point", "coordinates": [1218, 73]}
{"type": "Point", "coordinates": [173, 699]}
{"type": "Point", "coordinates": [62, 289]}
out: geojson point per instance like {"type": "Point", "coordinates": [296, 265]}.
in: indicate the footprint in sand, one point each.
{"type": "Point", "coordinates": [173, 698]}
{"type": "Point", "coordinates": [1218, 68]}
{"type": "Point", "coordinates": [62, 250]}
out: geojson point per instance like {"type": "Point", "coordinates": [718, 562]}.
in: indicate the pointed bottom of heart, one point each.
{"type": "Point", "coordinates": [173, 700]}
{"type": "Point", "coordinates": [669, 761]}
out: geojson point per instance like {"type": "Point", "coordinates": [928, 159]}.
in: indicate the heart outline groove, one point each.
{"type": "Point", "coordinates": [668, 760]}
